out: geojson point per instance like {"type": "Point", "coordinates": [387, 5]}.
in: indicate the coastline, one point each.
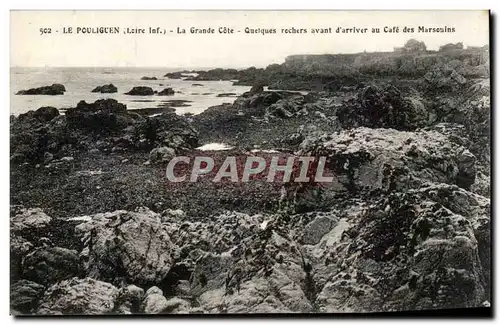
{"type": "Point", "coordinates": [406, 133]}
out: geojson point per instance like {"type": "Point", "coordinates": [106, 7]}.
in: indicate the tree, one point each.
{"type": "Point", "coordinates": [451, 46]}
{"type": "Point", "coordinates": [413, 45]}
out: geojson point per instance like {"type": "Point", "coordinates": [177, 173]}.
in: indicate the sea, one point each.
{"type": "Point", "coordinates": [79, 83]}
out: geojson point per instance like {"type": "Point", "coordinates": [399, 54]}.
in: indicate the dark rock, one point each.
{"type": "Point", "coordinates": [176, 75]}
{"type": "Point", "coordinates": [384, 107]}
{"type": "Point", "coordinates": [54, 89]}
{"type": "Point", "coordinates": [166, 92]}
{"type": "Point", "coordinates": [197, 85]}
{"type": "Point", "coordinates": [149, 78]}
{"type": "Point", "coordinates": [101, 116]}
{"type": "Point", "coordinates": [105, 89]}
{"type": "Point", "coordinates": [154, 110]}
{"type": "Point", "coordinates": [286, 108]}
{"type": "Point", "coordinates": [50, 265]}
{"type": "Point", "coordinates": [386, 159]}
{"type": "Point", "coordinates": [227, 95]}
{"type": "Point", "coordinates": [43, 114]}
{"type": "Point", "coordinates": [141, 91]}
{"type": "Point", "coordinates": [24, 296]}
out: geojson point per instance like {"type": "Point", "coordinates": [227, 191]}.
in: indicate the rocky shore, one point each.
{"type": "Point", "coordinates": [96, 228]}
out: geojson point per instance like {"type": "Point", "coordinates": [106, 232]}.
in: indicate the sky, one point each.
{"type": "Point", "coordinates": [28, 48]}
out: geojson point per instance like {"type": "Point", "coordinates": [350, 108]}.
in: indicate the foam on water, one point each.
{"type": "Point", "coordinates": [214, 146]}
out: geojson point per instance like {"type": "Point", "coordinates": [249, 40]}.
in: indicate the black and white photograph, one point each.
{"type": "Point", "coordinates": [253, 162]}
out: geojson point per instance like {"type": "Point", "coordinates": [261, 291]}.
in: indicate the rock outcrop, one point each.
{"type": "Point", "coordinates": [105, 89]}
{"type": "Point", "coordinates": [43, 114]}
{"type": "Point", "coordinates": [102, 115]}
{"type": "Point", "coordinates": [54, 89]}
{"type": "Point", "coordinates": [141, 91]}
{"type": "Point", "coordinates": [388, 160]}
{"type": "Point", "coordinates": [105, 125]}
{"type": "Point", "coordinates": [385, 107]}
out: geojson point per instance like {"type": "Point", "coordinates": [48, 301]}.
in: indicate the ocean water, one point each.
{"type": "Point", "coordinates": [79, 83]}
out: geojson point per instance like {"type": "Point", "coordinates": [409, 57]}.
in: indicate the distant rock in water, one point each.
{"type": "Point", "coordinates": [141, 91]}
{"type": "Point", "coordinates": [54, 89]}
{"type": "Point", "coordinates": [197, 85]}
{"type": "Point", "coordinates": [227, 95]}
{"type": "Point", "coordinates": [166, 92]}
{"type": "Point", "coordinates": [105, 89]}
{"type": "Point", "coordinates": [176, 75]}
{"type": "Point", "coordinates": [149, 78]}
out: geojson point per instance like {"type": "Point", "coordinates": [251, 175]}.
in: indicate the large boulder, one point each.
{"type": "Point", "coordinates": [79, 297]}
{"type": "Point", "coordinates": [54, 89]}
{"type": "Point", "coordinates": [387, 159]}
{"type": "Point", "coordinates": [48, 265]}
{"type": "Point", "coordinates": [125, 245]}
{"type": "Point", "coordinates": [102, 116]}
{"type": "Point", "coordinates": [141, 91]}
{"type": "Point", "coordinates": [105, 89]}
